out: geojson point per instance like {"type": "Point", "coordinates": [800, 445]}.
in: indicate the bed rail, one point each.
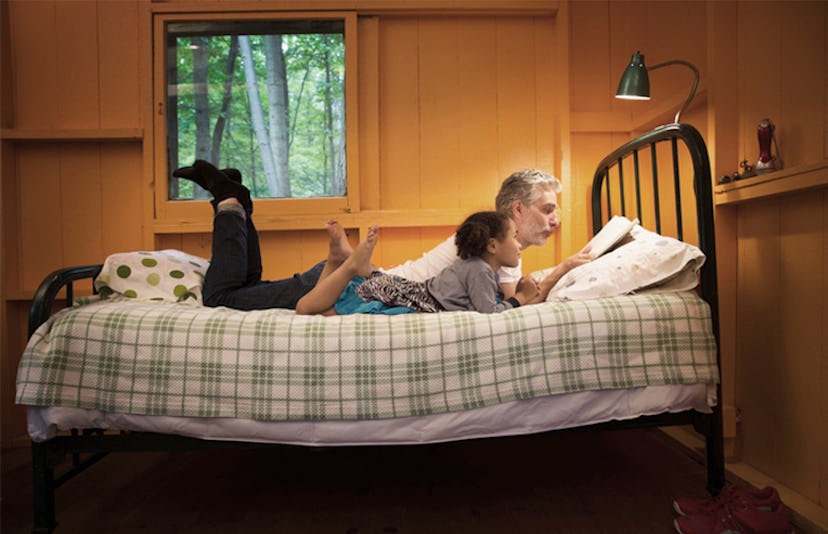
{"type": "Point", "coordinates": [46, 294]}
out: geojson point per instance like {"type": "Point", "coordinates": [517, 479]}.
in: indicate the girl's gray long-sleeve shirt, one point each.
{"type": "Point", "coordinates": [469, 284]}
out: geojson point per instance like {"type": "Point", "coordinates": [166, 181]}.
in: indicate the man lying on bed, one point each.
{"type": "Point", "coordinates": [233, 279]}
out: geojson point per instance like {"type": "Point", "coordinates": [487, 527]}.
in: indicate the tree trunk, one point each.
{"type": "Point", "coordinates": [257, 117]}
{"type": "Point", "coordinates": [277, 91]}
{"type": "Point", "coordinates": [336, 176]}
{"type": "Point", "coordinates": [202, 104]}
{"type": "Point", "coordinates": [221, 120]}
{"type": "Point", "coordinates": [172, 122]}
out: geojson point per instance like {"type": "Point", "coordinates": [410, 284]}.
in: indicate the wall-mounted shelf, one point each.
{"type": "Point", "coordinates": [108, 134]}
{"type": "Point", "coordinates": [420, 218]}
{"type": "Point", "coordinates": [793, 180]}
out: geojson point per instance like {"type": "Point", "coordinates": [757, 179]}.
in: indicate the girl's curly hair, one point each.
{"type": "Point", "coordinates": [473, 235]}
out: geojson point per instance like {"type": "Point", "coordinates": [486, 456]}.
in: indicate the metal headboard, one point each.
{"type": "Point", "coordinates": [610, 190]}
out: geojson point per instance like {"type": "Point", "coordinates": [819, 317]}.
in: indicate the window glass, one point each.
{"type": "Point", "coordinates": [264, 97]}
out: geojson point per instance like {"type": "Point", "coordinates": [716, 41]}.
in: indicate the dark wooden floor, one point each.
{"type": "Point", "coordinates": [570, 482]}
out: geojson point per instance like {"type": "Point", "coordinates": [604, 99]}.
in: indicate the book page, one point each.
{"type": "Point", "coordinates": [610, 235]}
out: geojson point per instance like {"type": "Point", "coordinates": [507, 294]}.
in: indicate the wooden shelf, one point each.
{"type": "Point", "coordinates": [109, 134]}
{"type": "Point", "coordinates": [793, 180]}
{"type": "Point", "coordinates": [384, 218]}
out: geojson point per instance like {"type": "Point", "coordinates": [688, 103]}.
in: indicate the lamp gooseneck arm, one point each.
{"type": "Point", "coordinates": [692, 88]}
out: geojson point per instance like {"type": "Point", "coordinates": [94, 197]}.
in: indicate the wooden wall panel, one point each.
{"type": "Point", "coordinates": [40, 247]}
{"type": "Point", "coordinates": [782, 251]}
{"type": "Point", "coordinates": [13, 422]}
{"type": "Point", "coordinates": [802, 67]}
{"type": "Point", "coordinates": [757, 364]}
{"type": "Point", "coordinates": [122, 197]}
{"type": "Point", "coordinates": [781, 69]}
{"type": "Point", "coordinates": [822, 401]}
{"type": "Point", "coordinates": [76, 84]}
{"type": "Point", "coordinates": [477, 90]}
{"type": "Point", "coordinates": [80, 223]}
{"type": "Point", "coordinates": [369, 80]}
{"type": "Point", "coordinates": [438, 99]}
{"type": "Point", "coordinates": [801, 308]}
{"type": "Point", "coordinates": [35, 64]}
{"type": "Point", "coordinates": [118, 64]}
{"type": "Point", "coordinates": [78, 203]}
{"type": "Point", "coordinates": [592, 81]}
{"type": "Point", "coordinates": [516, 114]}
{"type": "Point", "coordinates": [399, 114]}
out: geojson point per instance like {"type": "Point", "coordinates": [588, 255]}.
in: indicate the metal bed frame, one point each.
{"type": "Point", "coordinates": [88, 446]}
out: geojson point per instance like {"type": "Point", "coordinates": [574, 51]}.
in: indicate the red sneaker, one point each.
{"type": "Point", "coordinates": [731, 518]}
{"type": "Point", "coordinates": [765, 497]}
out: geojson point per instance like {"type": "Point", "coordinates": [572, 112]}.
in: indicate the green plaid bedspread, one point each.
{"type": "Point", "coordinates": [182, 360]}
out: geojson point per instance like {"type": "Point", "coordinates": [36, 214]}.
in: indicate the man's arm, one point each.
{"type": "Point", "coordinates": [557, 273]}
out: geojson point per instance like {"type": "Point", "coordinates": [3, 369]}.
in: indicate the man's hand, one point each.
{"type": "Point", "coordinates": [561, 269]}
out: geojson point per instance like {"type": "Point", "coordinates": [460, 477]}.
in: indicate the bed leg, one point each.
{"type": "Point", "coordinates": [715, 453]}
{"type": "Point", "coordinates": [43, 489]}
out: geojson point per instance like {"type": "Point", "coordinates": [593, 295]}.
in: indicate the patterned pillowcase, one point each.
{"type": "Point", "coordinates": [649, 262]}
{"type": "Point", "coordinates": [169, 275]}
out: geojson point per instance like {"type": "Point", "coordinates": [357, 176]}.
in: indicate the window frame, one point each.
{"type": "Point", "coordinates": [183, 211]}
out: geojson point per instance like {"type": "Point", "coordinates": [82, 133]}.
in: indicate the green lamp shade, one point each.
{"type": "Point", "coordinates": [635, 83]}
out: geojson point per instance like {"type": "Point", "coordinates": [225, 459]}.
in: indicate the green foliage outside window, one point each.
{"type": "Point", "coordinates": [266, 101]}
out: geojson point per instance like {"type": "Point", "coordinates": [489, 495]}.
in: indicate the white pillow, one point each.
{"type": "Point", "coordinates": [647, 262]}
{"type": "Point", "coordinates": [169, 275]}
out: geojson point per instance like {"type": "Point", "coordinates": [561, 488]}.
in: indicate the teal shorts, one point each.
{"type": "Point", "coordinates": [349, 302]}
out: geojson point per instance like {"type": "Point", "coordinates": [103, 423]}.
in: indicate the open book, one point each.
{"type": "Point", "coordinates": [611, 235]}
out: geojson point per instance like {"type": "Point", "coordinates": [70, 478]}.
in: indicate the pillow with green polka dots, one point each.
{"type": "Point", "coordinates": [169, 275]}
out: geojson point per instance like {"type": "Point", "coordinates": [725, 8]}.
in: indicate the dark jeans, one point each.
{"type": "Point", "coordinates": [234, 278]}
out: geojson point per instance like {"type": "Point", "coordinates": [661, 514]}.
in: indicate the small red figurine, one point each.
{"type": "Point", "coordinates": [765, 132]}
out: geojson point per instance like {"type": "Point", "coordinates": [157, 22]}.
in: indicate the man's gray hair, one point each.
{"type": "Point", "coordinates": [526, 186]}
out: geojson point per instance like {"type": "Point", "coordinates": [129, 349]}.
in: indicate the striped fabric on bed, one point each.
{"type": "Point", "coordinates": [160, 358]}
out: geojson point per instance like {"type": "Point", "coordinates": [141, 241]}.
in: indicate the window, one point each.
{"type": "Point", "coordinates": [264, 96]}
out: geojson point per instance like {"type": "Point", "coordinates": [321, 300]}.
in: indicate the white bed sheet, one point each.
{"type": "Point", "coordinates": [512, 418]}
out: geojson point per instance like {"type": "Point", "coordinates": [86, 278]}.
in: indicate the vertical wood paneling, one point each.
{"type": "Point", "coordinates": [516, 82]}
{"type": "Point", "coordinates": [801, 70]}
{"type": "Point", "coordinates": [35, 63]}
{"type": "Point", "coordinates": [118, 65]}
{"type": "Point", "coordinates": [77, 85]}
{"type": "Point", "coordinates": [671, 26]}
{"type": "Point", "coordinates": [780, 67]}
{"type": "Point", "coordinates": [399, 142]}
{"type": "Point", "coordinates": [477, 142]}
{"type": "Point", "coordinates": [438, 101]}
{"type": "Point", "coordinates": [14, 416]}
{"type": "Point", "coordinates": [801, 296]}
{"type": "Point", "coordinates": [630, 32]}
{"type": "Point", "coordinates": [121, 198]}
{"type": "Point", "coordinates": [80, 184]}
{"type": "Point", "coordinates": [822, 422]}
{"type": "Point", "coordinates": [591, 76]}
{"type": "Point", "coordinates": [39, 208]}
{"type": "Point", "coordinates": [551, 96]}
{"type": "Point", "coordinates": [369, 165]}
{"type": "Point", "coordinates": [782, 251]}
{"type": "Point", "coordinates": [758, 363]}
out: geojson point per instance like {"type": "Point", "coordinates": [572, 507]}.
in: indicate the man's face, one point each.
{"type": "Point", "coordinates": [537, 221]}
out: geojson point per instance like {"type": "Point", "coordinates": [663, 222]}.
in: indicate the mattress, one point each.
{"type": "Point", "coordinates": [555, 412]}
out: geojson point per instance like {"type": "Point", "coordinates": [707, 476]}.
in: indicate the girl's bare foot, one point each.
{"type": "Point", "coordinates": [339, 247]}
{"type": "Point", "coordinates": [360, 260]}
